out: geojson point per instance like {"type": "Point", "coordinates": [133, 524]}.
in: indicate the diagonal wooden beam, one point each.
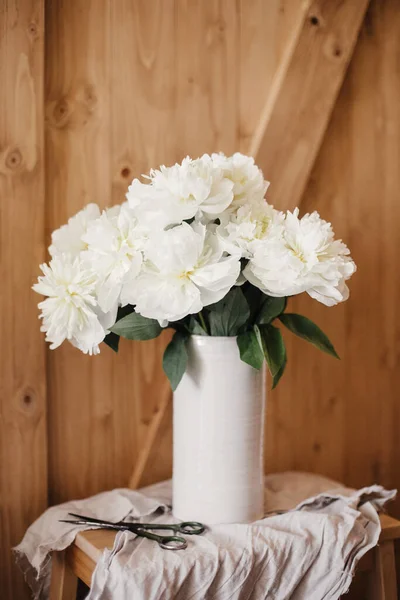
{"type": "Point", "coordinates": [152, 437]}
{"type": "Point", "coordinates": [302, 96]}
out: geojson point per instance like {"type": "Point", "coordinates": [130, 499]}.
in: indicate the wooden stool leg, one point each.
{"type": "Point", "coordinates": [383, 576]}
{"type": "Point", "coordinates": [64, 582]}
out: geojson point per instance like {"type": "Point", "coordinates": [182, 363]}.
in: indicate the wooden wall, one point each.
{"type": "Point", "coordinates": [95, 92]}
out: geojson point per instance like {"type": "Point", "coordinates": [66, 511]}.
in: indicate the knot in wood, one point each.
{"type": "Point", "coordinates": [61, 111]}
{"type": "Point", "coordinates": [317, 447]}
{"type": "Point", "coordinates": [28, 399]}
{"type": "Point", "coordinates": [337, 51]}
{"type": "Point", "coordinates": [13, 159]}
{"type": "Point", "coordinates": [33, 30]}
{"type": "Point", "coordinates": [125, 172]}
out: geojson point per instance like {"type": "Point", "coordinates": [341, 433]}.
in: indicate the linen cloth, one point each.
{"type": "Point", "coordinates": [310, 551]}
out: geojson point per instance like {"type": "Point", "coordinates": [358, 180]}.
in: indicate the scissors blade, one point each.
{"type": "Point", "coordinates": [90, 519]}
{"type": "Point", "coordinates": [82, 520]}
{"type": "Point", "coordinates": [79, 522]}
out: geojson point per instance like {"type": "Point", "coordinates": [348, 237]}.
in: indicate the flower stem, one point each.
{"type": "Point", "coordinates": [203, 322]}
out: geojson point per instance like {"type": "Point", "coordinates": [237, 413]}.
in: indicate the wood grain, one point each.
{"type": "Point", "coordinates": [304, 90]}
{"type": "Point", "coordinates": [23, 468]}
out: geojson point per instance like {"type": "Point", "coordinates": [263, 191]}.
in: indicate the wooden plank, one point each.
{"type": "Point", "coordinates": [350, 408]}
{"type": "Point", "coordinates": [305, 87]}
{"type": "Point", "coordinates": [383, 581]}
{"type": "Point", "coordinates": [64, 582]}
{"type": "Point", "coordinates": [143, 136]}
{"type": "Point", "coordinates": [206, 77]}
{"type": "Point", "coordinates": [23, 465]}
{"type": "Point", "coordinates": [370, 204]}
{"type": "Point", "coordinates": [83, 445]}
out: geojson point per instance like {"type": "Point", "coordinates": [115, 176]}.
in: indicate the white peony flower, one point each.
{"type": "Point", "coordinates": [68, 239]}
{"type": "Point", "coordinates": [304, 258]}
{"type": "Point", "coordinates": [184, 270]}
{"type": "Point", "coordinates": [248, 180]}
{"type": "Point", "coordinates": [70, 311]}
{"type": "Point", "coordinates": [243, 230]}
{"type": "Point", "coordinates": [115, 243]}
{"type": "Point", "coordinates": [181, 192]}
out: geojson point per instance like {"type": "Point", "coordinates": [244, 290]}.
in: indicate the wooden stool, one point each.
{"type": "Point", "coordinates": [79, 562]}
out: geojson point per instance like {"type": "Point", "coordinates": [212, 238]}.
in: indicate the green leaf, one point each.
{"type": "Point", "coordinates": [227, 316]}
{"type": "Point", "coordinates": [195, 327]}
{"type": "Point", "coordinates": [136, 327]}
{"type": "Point", "coordinates": [175, 359]}
{"type": "Point", "coordinates": [274, 351]}
{"type": "Point", "coordinates": [306, 329]}
{"type": "Point", "coordinates": [254, 298]}
{"type": "Point", "coordinates": [250, 349]}
{"type": "Point", "coordinates": [270, 309]}
{"type": "Point", "coordinates": [112, 340]}
{"type": "Point", "coordinates": [280, 372]}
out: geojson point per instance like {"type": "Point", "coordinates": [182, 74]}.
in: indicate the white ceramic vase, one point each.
{"type": "Point", "coordinates": [218, 435]}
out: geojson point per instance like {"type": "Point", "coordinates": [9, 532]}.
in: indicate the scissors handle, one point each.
{"type": "Point", "coordinates": [168, 542]}
{"type": "Point", "coordinates": [187, 527]}
{"type": "Point", "coordinates": [191, 527]}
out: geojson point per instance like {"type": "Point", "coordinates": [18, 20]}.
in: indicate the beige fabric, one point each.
{"type": "Point", "coordinates": [306, 553]}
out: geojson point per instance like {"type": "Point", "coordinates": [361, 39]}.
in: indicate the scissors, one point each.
{"type": "Point", "coordinates": [168, 542]}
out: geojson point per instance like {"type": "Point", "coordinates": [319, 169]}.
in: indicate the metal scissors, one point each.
{"type": "Point", "coordinates": [168, 542]}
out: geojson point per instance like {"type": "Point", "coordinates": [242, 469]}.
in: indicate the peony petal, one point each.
{"type": "Point", "coordinates": [218, 275]}
{"type": "Point", "coordinates": [176, 250]}
{"type": "Point", "coordinates": [165, 298]}
{"type": "Point", "coordinates": [68, 239]}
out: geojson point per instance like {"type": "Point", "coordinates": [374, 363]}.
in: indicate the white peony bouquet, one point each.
{"type": "Point", "coordinates": [197, 248]}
